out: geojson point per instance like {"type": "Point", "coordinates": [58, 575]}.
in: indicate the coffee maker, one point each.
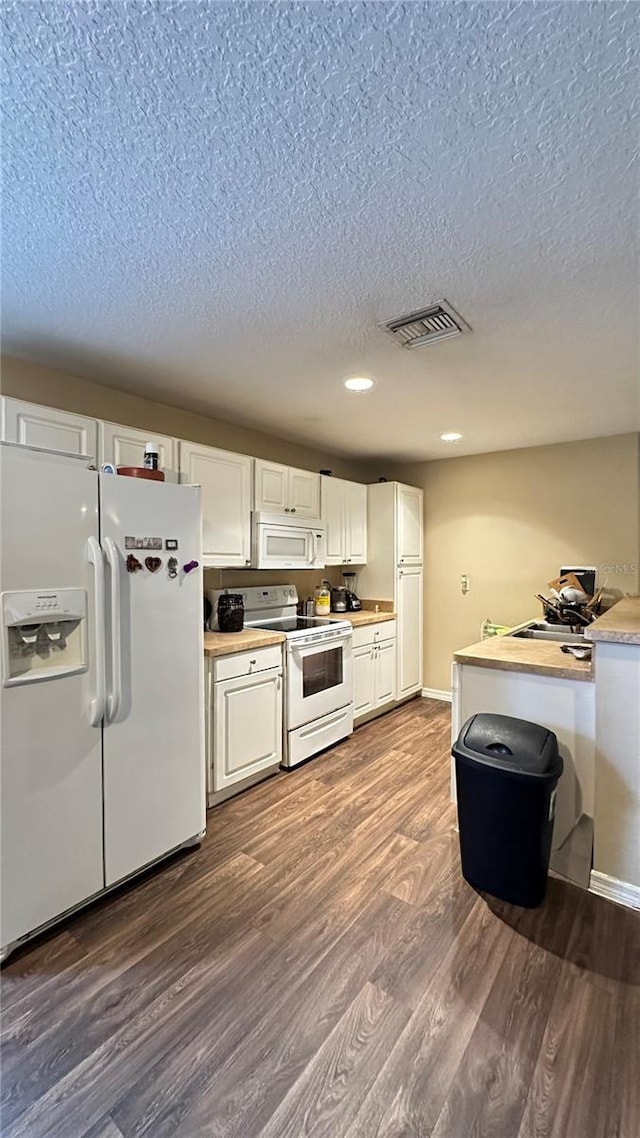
{"type": "Point", "coordinates": [350, 579]}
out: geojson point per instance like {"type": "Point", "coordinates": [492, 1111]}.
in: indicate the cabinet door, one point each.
{"type": "Point", "coordinates": [364, 696]}
{"type": "Point", "coordinates": [225, 479]}
{"type": "Point", "coordinates": [271, 487]}
{"type": "Point", "coordinates": [48, 428]}
{"type": "Point", "coordinates": [247, 733]}
{"type": "Point", "coordinates": [124, 446]}
{"type": "Point", "coordinates": [385, 671]}
{"type": "Point", "coordinates": [304, 493]}
{"type": "Point", "coordinates": [409, 627]}
{"type": "Point", "coordinates": [355, 514]}
{"type": "Point", "coordinates": [409, 525]}
{"type": "Point", "coordinates": [333, 518]}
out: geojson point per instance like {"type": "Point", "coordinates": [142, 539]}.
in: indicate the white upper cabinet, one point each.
{"type": "Point", "coordinates": [409, 525]}
{"type": "Point", "coordinates": [286, 490]}
{"type": "Point", "coordinates": [304, 493]}
{"type": "Point", "coordinates": [124, 446]}
{"type": "Point", "coordinates": [344, 512]}
{"type": "Point", "coordinates": [355, 523]}
{"type": "Point", "coordinates": [271, 487]}
{"type": "Point", "coordinates": [333, 518]}
{"type": "Point", "coordinates": [225, 479]}
{"type": "Point", "coordinates": [45, 427]}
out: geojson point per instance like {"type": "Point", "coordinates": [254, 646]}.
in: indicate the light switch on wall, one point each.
{"type": "Point", "coordinates": [464, 584]}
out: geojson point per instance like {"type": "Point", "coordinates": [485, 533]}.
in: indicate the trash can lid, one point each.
{"type": "Point", "coordinates": [511, 744]}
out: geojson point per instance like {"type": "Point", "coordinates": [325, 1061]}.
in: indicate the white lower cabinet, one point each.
{"type": "Point", "coordinates": [364, 697]}
{"type": "Point", "coordinates": [245, 720]}
{"type": "Point", "coordinates": [385, 671]}
{"type": "Point", "coordinates": [374, 667]}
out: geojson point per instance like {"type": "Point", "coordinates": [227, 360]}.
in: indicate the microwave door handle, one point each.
{"type": "Point", "coordinates": [312, 556]}
{"type": "Point", "coordinates": [114, 698]}
{"type": "Point", "coordinates": [96, 558]}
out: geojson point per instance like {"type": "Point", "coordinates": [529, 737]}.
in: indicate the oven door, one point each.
{"type": "Point", "coordinates": [319, 678]}
{"type": "Point", "coordinates": [288, 546]}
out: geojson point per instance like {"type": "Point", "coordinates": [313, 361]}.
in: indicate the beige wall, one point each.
{"type": "Point", "coordinates": [38, 384]}
{"type": "Point", "coordinates": [510, 520]}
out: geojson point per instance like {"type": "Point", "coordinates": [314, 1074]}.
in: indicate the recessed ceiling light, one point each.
{"type": "Point", "coordinates": [358, 383]}
{"type": "Point", "coordinates": [451, 436]}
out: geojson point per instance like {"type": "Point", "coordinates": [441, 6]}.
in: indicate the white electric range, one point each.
{"type": "Point", "coordinates": [318, 672]}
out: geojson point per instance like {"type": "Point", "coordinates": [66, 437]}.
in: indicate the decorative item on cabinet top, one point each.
{"type": "Point", "coordinates": [127, 447]}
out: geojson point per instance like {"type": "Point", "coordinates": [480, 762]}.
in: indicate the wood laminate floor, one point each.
{"type": "Point", "coordinates": [319, 967]}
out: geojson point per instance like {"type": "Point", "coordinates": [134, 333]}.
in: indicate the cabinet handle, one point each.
{"type": "Point", "coordinates": [287, 510]}
{"type": "Point", "coordinates": [293, 509]}
{"type": "Point", "coordinates": [253, 661]}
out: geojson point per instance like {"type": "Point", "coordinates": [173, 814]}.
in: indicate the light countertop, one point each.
{"type": "Point", "coordinates": [366, 616]}
{"type": "Point", "coordinates": [228, 643]}
{"type": "Point", "coordinates": [539, 657]}
{"type": "Point", "coordinates": [620, 624]}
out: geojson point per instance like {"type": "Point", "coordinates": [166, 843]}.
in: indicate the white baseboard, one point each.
{"type": "Point", "coordinates": [614, 890]}
{"type": "Point", "coordinates": [434, 693]}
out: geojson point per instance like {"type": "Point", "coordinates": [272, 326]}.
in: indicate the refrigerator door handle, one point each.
{"type": "Point", "coordinates": [96, 558]}
{"type": "Point", "coordinates": [114, 698]}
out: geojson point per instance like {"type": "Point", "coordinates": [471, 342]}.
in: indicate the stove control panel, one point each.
{"type": "Point", "coordinates": [260, 602]}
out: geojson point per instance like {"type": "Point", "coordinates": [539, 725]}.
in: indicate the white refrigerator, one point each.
{"type": "Point", "coordinates": [101, 703]}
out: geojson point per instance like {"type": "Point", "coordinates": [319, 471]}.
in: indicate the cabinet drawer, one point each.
{"type": "Point", "coordinates": [246, 663]}
{"type": "Point", "coordinates": [314, 737]}
{"type": "Point", "coordinates": [374, 633]}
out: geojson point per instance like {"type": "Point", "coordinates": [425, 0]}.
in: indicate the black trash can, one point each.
{"type": "Point", "coordinates": [507, 771]}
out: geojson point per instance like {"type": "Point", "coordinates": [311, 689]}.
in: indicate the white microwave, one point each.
{"type": "Point", "coordinates": [279, 543]}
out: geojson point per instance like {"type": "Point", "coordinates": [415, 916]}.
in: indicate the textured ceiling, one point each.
{"type": "Point", "coordinates": [214, 203]}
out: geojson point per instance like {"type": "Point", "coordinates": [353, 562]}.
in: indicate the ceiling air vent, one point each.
{"type": "Point", "coordinates": [426, 326]}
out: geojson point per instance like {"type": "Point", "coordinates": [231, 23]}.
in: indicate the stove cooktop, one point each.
{"type": "Point", "coordinates": [295, 623]}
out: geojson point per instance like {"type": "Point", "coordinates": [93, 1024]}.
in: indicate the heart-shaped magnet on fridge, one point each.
{"type": "Point", "coordinates": [153, 564]}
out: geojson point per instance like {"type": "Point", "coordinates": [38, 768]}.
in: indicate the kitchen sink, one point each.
{"type": "Point", "coordinates": [543, 631]}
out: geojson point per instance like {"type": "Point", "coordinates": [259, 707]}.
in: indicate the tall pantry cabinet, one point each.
{"type": "Point", "coordinates": [394, 572]}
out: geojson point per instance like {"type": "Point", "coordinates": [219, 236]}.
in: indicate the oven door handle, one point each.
{"type": "Point", "coordinates": [336, 640]}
